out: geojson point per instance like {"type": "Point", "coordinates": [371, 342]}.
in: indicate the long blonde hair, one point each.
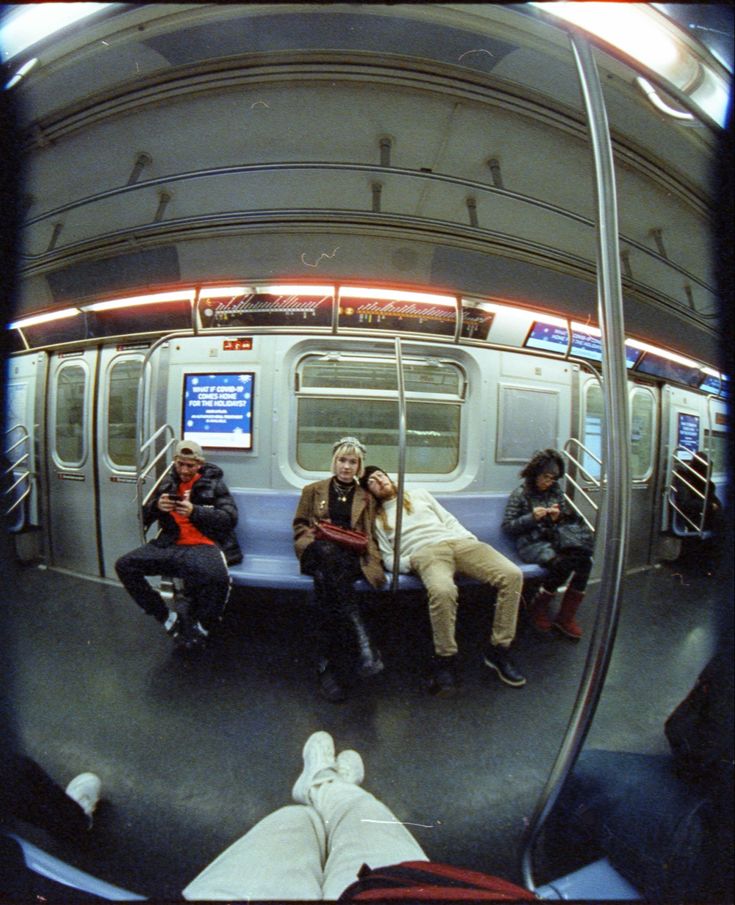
{"type": "Point", "coordinates": [382, 515]}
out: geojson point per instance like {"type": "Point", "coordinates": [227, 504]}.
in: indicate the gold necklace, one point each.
{"type": "Point", "coordinates": [342, 492]}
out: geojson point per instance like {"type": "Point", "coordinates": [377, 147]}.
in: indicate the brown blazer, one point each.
{"type": "Point", "coordinates": [314, 505]}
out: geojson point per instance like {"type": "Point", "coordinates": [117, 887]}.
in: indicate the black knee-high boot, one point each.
{"type": "Point", "coordinates": [370, 661]}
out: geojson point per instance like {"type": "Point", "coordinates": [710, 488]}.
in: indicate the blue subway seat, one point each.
{"type": "Point", "coordinates": [40, 862]}
{"type": "Point", "coordinates": [265, 534]}
{"type": "Point", "coordinates": [596, 882]}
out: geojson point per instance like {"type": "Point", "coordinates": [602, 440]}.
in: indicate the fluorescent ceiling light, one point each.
{"type": "Point", "coordinates": [284, 289]}
{"type": "Point", "coordinates": [133, 301]}
{"type": "Point", "coordinates": [43, 318]}
{"type": "Point", "coordinates": [650, 39]}
{"type": "Point", "coordinates": [396, 295]}
{"type": "Point", "coordinates": [662, 353]}
{"type": "Point", "coordinates": [216, 292]}
{"type": "Point", "coordinates": [26, 25]}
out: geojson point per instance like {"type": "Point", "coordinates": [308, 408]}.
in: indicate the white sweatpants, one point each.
{"type": "Point", "coordinates": [302, 852]}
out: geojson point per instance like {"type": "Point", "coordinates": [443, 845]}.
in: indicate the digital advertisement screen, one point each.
{"type": "Point", "coordinates": [688, 433]}
{"type": "Point", "coordinates": [218, 410]}
{"type": "Point", "coordinates": [553, 338]}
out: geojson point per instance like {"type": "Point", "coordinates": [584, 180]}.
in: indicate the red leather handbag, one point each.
{"type": "Point", "coordinates": [345, 537]}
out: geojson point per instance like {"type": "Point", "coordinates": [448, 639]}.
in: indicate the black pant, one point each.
{"type": "Point", "coordinates": [563, 565]}
{"type": "Point", "coordinates": [28, 793]}
{"type": "Point", "coordinates": [335, 570]}
{"type": "Point", "coordinates": [201, 566]}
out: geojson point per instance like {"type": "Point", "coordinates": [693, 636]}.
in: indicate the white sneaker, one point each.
{"type": "Point", "coordinates": [350, 767]}
{"type": "Point", "coordinates": [318, 757]}
{"type": "Point", "coordinates": [85, 790]}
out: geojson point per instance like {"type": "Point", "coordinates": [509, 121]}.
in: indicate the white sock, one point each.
{"type": "Point", "coordinates": [171, 621]}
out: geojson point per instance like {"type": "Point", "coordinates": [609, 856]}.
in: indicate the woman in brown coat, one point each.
{"type": "Point", "coordinates": [339, 624]}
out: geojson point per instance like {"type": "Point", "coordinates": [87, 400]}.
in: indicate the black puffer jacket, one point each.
{"type": "Point", "coordinates": [535, 540]}
{"type": "Point", "coordinates": [214, 514]}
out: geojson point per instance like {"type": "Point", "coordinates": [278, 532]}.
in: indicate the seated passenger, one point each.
{"type": "Point", "coordinates": [434, 545]}
{"type": "Point", "coordinates": [197, 517]}
{"type": "Point", "coordinates": [338, 622]}
{"type": "Point", "coordinates": [534, 514]}
{"type": "Point", "coordinates": [696, 495]}
{"type": "Point", "coordinates": [697, 492]}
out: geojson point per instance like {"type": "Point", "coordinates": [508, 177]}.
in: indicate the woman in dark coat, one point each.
{"type": "Point", "coordinates": [339, 623]}
{"type": "Point", "coordinates": [533, 515]}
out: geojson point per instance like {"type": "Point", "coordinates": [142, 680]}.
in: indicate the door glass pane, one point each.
{"type": "Point", "coordinates": [70, 388]}
{"type": "Point", "coordinates": [122, 404]}
{"type": "Point", "coordinates": [642, 423]}
{"type": "Point", "coordinates": [592, 428]}
{"type": "Point", "coordinates": [715, 444]}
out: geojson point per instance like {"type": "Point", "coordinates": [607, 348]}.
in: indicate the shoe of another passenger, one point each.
{"type": "Point", "coordinates": [176, 629]}
{"type": "Point", "coordinates": [499, 659]}
{"type": "Point", "coordinates": [319, 765]}
{"type": "Point", "coordinates": [85, 789]}
{"type": "Point", "coordinates": [329, 686]}
{"type": "Point", "coordinates": [444, 678]}
{"type": "Point", "coordinates": [350, 767]}
{"type": "Point", "coordinates": [197, 639]}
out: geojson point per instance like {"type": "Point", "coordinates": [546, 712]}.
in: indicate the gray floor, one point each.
{"type": "Point", "coordinates": [192, 754]}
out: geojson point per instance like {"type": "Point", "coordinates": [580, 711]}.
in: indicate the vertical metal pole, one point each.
{"type": "Point", "coordinates": [401, 461]}
{"type": "Point", "coordinates": [615, 397]}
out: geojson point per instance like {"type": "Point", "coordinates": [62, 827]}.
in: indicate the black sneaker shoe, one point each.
{"type": "Point", "coordinates": [196, 640]}
{"type": "Point", "coordinates": [443, 680]}
{"type": "Point", "coordinates": [499, 659]}
{"type": "Point", "coordinates": [176, 630]}
{"type": "Point", "coordinates": [329, 688]}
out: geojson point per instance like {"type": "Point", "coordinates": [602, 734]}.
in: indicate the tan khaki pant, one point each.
{"type": "Point", "coordinates": [436, 565]}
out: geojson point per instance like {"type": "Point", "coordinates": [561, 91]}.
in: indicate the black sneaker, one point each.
{"type": "Point", "coordinates": [329, 688]}
{"type": "Point", "coordinates": [443, 680]}
{"type": "Point", "coordinates": [499, 659]}
{"type": "Point", "coordinates": [177, 631]}
{"type": "Point", "coordinates": [196, 639]}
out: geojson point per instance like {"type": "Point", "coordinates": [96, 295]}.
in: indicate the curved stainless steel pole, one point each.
{"type": "Point", "coordinates": [401, 460]}
{"type": "Point", "coordinates": [614, 540]}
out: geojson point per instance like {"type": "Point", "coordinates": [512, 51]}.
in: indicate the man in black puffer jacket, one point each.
{"type": "Point", "coordinates": [197, 516]}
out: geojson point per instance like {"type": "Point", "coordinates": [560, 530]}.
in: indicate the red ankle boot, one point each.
{"type": "Point", "coordinates": [565, 622]}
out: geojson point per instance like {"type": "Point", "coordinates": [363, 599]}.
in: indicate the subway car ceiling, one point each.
{"type": "Point", "coordinates": [426, 147]}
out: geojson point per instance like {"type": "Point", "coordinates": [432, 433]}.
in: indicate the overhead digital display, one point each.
{"type": "Point", "coordinates": [553, 338]}
{"type": "Point", "coordinates": [218, 410]}
{"type": "Point", "coordinates": [397, 315]}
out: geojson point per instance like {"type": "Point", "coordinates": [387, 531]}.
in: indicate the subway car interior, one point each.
{"type": "Point", "coordinates": [458, 232]}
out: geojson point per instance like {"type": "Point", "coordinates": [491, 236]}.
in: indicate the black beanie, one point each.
{"type": "Point", "coordinates": [370, 469]}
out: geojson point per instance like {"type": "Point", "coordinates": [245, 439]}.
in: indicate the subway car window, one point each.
{"type": "Point", "coordinates": [70, 405]}
{"type": "Point", "coordinates": [432, 421]}
{"type": "Point", "coordinates": [122, 403]}
{"type": "Point", "coordinates": [715, 443]}
{"type": "Point", "coordinates": [642, 432]}
{"type": "Point", "coordinates": [432, 434]}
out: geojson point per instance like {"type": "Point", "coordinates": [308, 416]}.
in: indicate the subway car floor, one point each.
{"type": "Point", "coordinates": [193, 753]}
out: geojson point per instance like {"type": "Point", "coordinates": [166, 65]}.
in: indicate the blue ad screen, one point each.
{"type": "Point", "coordinates": [218, 410]}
